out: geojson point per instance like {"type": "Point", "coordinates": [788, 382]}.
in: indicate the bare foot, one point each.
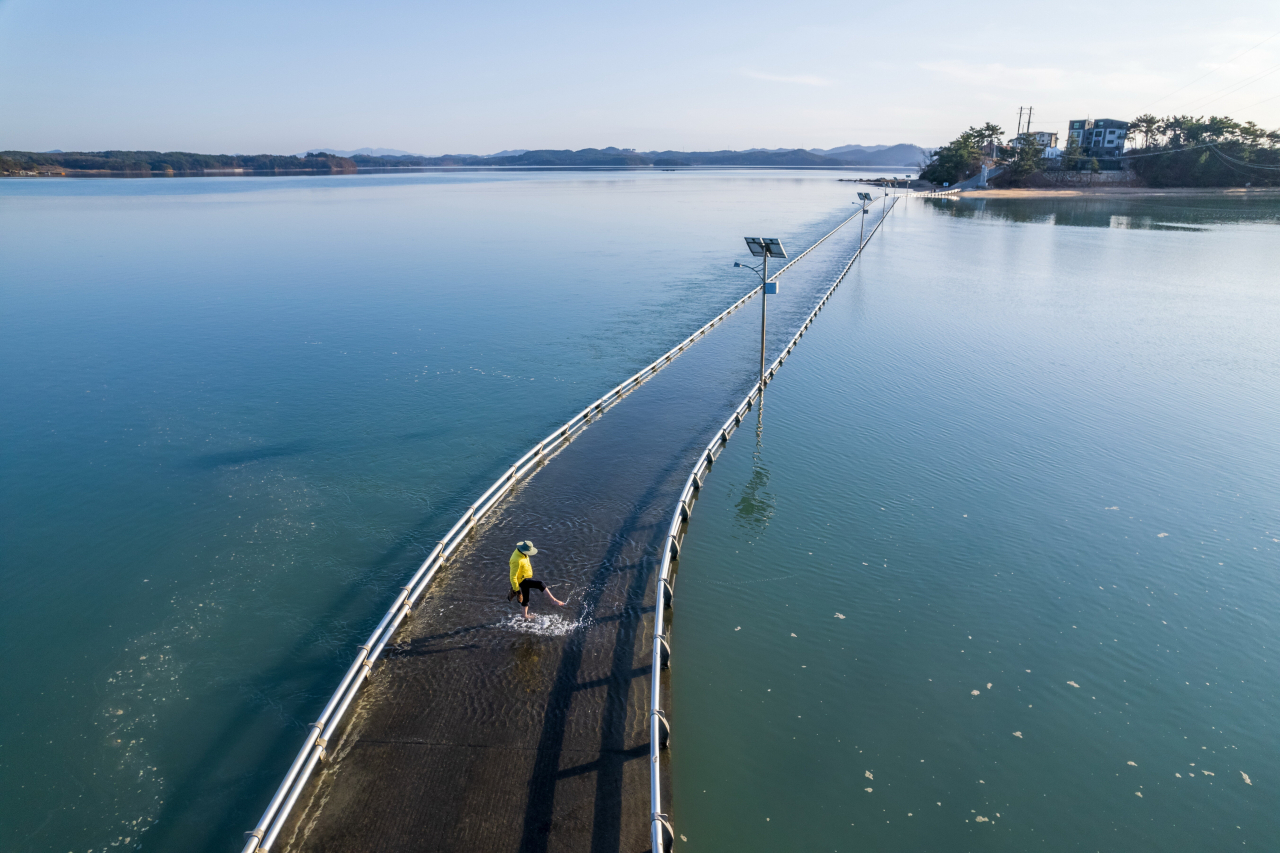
{"type": "Point", "coordinates": [558, 601]}
{"type": "Point", "coordinates": [526, 615]}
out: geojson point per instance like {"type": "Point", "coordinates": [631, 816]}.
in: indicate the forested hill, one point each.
{"type": "Point", "coordinates": [180, 162]}
{"type": "Point", "coordinates": [156, 162]}
{"type": "Point", "coordinates": [910, 156]}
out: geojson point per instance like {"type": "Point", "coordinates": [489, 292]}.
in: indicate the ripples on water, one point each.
{"type": "Point", "coordinates": [240, 412]}
{"type": "Point", "coordinates": [1019, 556]}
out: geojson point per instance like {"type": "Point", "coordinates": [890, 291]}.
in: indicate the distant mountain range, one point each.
{"type": "Point", "coordinates": [844, 149]}
{"type": "Point", "coordinates": [876, 155]}
{"type": "Point", "coordinates": [389, 152]}
{"type": "Point", "coordinates": [367, 152]}
{"type": "Point", "coordinates": [328, 160]}
{"type": "Point", "coordinates": [902, 155]}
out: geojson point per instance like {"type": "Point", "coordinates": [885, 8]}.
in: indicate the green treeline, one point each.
{"type": "Point", "coordinates": [1181, 151]}
{"type": "Point", "coordinates": [155, 162]}
{"type": "Point", "coordinates": [1177, 151]}
{"type": "Point", "coordinates": [150, 162]}
{"type": "Point", "coordinates": [961, 157]}
{"type": "Point", "coordinates": [615, 157]}
{"type": "Point", "coordinates": [585, 157]}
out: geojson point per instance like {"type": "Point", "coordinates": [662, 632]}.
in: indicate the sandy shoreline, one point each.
{"type": "Point", "coordinates": [1125, 192]}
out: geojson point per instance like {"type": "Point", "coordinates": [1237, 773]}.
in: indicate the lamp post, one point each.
{"type": "Point", "coordinates": [863, 198]}
{"type": "Point", "coordinates": [763, 248]}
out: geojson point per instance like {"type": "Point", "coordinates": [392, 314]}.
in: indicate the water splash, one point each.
{"type": "Point", "coordinates": [543, 626]}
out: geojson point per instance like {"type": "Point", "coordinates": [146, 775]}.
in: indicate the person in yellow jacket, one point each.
{"type": "Point", "coordinates": [522, 580]}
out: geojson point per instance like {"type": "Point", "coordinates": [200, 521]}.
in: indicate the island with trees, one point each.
{"type": "Point", "coordinates": [1175, 151]}
{"type": "Point", "coordinates": [146, 163]}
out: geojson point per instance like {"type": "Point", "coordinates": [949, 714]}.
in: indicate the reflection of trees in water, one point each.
{"type": "Point", "coordinates": [1147, 213]}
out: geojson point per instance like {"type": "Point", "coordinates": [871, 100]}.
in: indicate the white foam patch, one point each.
{"type": "Point", "coordinates": [543, 626]}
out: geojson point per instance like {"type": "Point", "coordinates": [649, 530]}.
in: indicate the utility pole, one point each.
{"type": "Point", "coordinates": [862, 199]}
{"type": "Point", "coordinates": [1028, 119]}
{"type": "Point", "coordinates": [764, 302]}
{"type": "Point", "coordinates": [763, 248]}
{"type": "Point", "coordinates": [1018, 132]}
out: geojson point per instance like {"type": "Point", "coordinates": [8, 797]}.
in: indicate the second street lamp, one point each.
{"type": "Point", "coordinates": [763, 248]}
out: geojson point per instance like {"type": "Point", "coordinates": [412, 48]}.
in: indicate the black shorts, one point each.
{"type": "Point", "coordinates": [526, 585]}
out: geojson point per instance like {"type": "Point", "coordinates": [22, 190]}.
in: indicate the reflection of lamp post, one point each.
{"type": "Point", "coordinates": [763, 248]}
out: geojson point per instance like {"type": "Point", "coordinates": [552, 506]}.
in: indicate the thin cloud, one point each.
{"type": "Point", "coordinates": [999, 76]}
{"type": "Point", "coordinates": [801, 79]}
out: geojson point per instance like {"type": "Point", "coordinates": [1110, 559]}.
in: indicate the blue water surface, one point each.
{"type": "Point", "coordinates": [1002, 567]}
{"type": "Point", "coordinates": [238, 412]}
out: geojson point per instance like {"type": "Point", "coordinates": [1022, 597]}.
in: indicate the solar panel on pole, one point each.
{"type": "Point", "coordinates": [765, 248]}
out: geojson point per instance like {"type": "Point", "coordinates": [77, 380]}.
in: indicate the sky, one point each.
{"type": "Point", "coordinates": [479, 77]}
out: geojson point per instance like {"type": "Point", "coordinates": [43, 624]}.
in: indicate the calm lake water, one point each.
{"type": "Point", "coordinates": [238, 412]}
{"type": "Point", "coordinates": [1002, 570]}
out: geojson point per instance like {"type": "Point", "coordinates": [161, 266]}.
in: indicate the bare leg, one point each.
{"type": "Point", "coordinates": [526, 612]}
{"type": "Point", "coordinates": [552, 597]}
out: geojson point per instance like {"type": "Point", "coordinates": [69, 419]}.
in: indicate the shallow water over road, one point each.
{"type": "Point", "coordinates": [472, 708]}
{"type": "Point", "coordinates": [237, 414]}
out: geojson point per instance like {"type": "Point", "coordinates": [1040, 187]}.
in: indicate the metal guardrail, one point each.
{"type": "Point", "coordinates": [662, 833]}
{"type": "Point", "coordinates": [323, 729]}
{"type": "Point", "coordinates": [797, 258]}
{"type": "Point", "coordinates": [260, 839]}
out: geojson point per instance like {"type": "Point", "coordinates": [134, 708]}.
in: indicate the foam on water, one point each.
{"type": "Point", "coordinates": [543, 626]}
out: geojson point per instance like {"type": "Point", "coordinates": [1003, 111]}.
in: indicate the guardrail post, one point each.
{"type": "Point", "coordinates": [666, 836]}
{"type": "Point", "coordinates": [664, 730]}
{"type": "Point", "coordinates": [273, 820]}
{"type": "Point", "coordinates": [663, 837]}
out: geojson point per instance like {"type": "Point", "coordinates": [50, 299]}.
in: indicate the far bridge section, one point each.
{"type": "Point", "coordinates": [480, 732]}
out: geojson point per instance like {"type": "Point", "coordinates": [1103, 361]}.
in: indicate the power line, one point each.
{"type": "Point", "coordinates": [1211, 72]}
{"type": "Point", "coordinates": [1263, 101]}
{"type": "Point", "coordinates": [1229, 166]}
{"type": "Point", "coordinates": [1171, 151]}
{"type": "Point", "coordinates": [1243, 162]}
{"type": "Point", "coordinates": [1204, 145]}
{"type": "Point", "coordinates": [1222, 93]}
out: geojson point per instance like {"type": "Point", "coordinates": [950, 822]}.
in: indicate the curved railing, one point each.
{"type": "Point", "coordinates": [313, 748]}
{"type": "Point", "coordinates": [322, 730]}
{"type": "Point", "coordinates": [662, 834]}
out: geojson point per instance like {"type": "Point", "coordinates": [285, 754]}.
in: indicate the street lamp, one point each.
{"type": "Point", "coordinates": [863, 199]}
{"type": "Point", "coordinates": [763, 248]}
